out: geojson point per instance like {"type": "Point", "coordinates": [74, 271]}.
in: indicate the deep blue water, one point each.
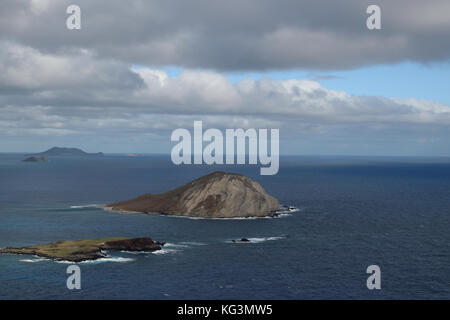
{"type": "Point", "coordinates": [354, 212]}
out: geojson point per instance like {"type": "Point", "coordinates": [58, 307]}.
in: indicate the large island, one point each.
{"type": "Point", "coordinates": [216, 195]}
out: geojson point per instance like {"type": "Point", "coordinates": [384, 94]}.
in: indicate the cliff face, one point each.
{"type": "Point", "coordinates": [217, 195]}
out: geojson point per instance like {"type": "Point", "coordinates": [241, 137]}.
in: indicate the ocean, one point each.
{"type": "Point", "coordinates": [351, 212]}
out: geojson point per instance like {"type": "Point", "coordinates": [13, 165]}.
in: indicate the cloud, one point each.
{"type": "Point", "coordinates": [80, 94]}
{"type": "Point", "coordinates": [236, 36]}
{"type": "Point", "coordinates": [24, 67]}
{"type": "Point", "coordinates": [80, 86]}
{"type": "Point", "coordinates": [39, 6]}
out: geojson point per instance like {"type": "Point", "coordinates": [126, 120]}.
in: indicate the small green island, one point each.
{"type": "Point", "coordinates": [82, 250]}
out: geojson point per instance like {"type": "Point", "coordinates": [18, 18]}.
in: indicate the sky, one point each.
{"type": "Point", "coordinates": [135, 72]}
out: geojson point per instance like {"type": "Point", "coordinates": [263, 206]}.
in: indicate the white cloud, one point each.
{"type": "Point", "coordinates": [211, 93]}
{"type": "Point", "coordinates": [27, 68]}
{"type": "Point", "coordinates": [70, 94]}
{"type": "Point", "coordinates": [39, 6]}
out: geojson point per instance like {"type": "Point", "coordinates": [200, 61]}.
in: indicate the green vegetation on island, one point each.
{"type": "Point", "coordinates": [80, 250]}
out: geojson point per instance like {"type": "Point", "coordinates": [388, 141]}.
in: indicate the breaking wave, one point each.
{"type": "Point", "coordinates": [165, 251]}
{"type": "Point", "coordinates": [283, 212]}
{"type": "Point", "coordinates": [100, 260]}
{"type": "Point", "coordinates": [167, 248]}
{"type": "Point", "coordinates": [256, 239]}
{"type": "Point", "coordinates": [86, 206]}
{"type": "Point", "coordinates": [37, 259]}
{"type": "Point", "coordinates": [171, 248]}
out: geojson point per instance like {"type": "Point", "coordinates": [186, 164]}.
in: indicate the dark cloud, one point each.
{"type": "Point", "coordinates": [236, 35]}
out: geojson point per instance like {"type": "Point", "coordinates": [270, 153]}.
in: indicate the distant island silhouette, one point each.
{"type": "Point", "coordinates": [36, 159]}
{"type": "Point", "coordinates": [61, 151]}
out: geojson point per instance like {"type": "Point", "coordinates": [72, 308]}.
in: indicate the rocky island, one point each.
{"type": "Point", "coordinates": [82, 250]}
{"type": "Point", "coordinates": [59, 151]}
{"type": "Point", "coordinates": [216, 195]}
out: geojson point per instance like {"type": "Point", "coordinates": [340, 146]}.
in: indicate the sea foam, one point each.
{"type": "Point", "coordinates": [85, 206]}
